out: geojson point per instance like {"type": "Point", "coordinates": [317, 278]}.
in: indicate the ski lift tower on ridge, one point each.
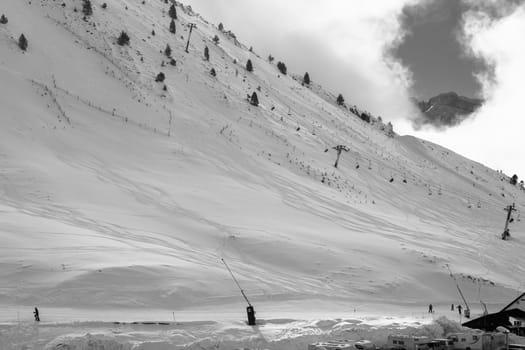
{"type": "Point", "coordinates": [191, 25]}
{"type": "Point", "coordinates": [506, 232]}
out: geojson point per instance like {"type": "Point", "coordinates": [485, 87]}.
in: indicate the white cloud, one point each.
{"type": "Point", "coordinates": [496, 134]}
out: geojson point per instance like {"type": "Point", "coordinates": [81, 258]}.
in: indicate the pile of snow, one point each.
{"type": "Point", "coordinates": [283, 334]}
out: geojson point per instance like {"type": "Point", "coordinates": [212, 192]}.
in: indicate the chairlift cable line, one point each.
{"type": "Point", "coordinates": [467, 310]}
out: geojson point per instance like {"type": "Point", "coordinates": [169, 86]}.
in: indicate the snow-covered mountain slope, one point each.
{"type": "Point", "coordinates": [114, 192]}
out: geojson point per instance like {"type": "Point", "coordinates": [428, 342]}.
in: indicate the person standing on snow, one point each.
{"type": "Point", "coordinates": [430, 309]}
{"type": "Point", "coordinates": [37, 315]}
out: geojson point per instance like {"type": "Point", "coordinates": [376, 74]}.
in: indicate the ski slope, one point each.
{"type": "Point", "coordinates": [117, 195]}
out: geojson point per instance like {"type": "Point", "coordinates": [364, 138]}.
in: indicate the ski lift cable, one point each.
{"type": "Point", "coordinates": [457, 286]}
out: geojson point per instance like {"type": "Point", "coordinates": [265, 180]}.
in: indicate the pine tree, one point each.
{"type": "Point", "coordinates": [87, 10]}
{"type": "Point", "coordinates": [389, 130]}
{"type": "Point", "coordinates": [306, 78]}
{"type": "Point", "coordinates": [3, 19]}
{"type": "Point", "coordinates": [173, 12]}
{"type": "Point", "coordinates": [282, 67]}
{"type": "Point", "coordinates": [221, 27]}
{"type": "Point", "coordinates": [22, 42]}
{"type": "Point", "coordinates": [123, 39]}
{"type": "Point", "coordinates": [514, 179]}
{"type": "Point", "coordinates": [167, 50]}
{"type": "Point", "coordinates": [270, 58]}
{"type": "Point", "coordinates": [254, 100]}
{"type": "Point", "coordinates": [206, 53]}
{"type": "Point", "coordinates": [173, 28]}
{"type": "Point", "coordinates": [340, 100]}
{"type": "Point", "coordinates": [249, 67]}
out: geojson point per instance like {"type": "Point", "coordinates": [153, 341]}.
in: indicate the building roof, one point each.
{"type": "Point", "coordinates": [492, 321]}
{"type": "Point", "coordinates": [518, 303]}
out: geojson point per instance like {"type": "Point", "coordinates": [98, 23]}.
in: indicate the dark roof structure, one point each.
{"type": "Point", "coordinates": [489, 322]}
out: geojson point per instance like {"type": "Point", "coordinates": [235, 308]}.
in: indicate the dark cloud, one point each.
{"type": "Point", "coordinates": [434, 52]}
{"type": "Point", "coordinates": [495, 9]}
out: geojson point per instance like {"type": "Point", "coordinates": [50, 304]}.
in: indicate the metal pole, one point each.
{"type": "Point", "coordinates": [509, 211]}
{"type": "Point", "coordinates": [189, 36]}
{"type": "Point", "coordinates": [169, 128]}
{"type": "Point", "coordinates": [459, 289]}
{"type": "Point", "coordinates": [236, 282]}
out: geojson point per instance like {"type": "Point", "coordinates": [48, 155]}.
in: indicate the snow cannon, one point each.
{"type": "Point", "coordinates": [250, 311]}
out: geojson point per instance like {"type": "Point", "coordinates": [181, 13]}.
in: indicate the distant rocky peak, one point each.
{"type": "Point", "coordinates": [446, 109]}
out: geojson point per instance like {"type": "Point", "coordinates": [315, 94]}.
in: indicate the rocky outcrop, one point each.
{"type": "Point", "coordinates": [447, 109]}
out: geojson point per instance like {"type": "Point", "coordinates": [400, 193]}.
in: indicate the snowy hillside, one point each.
{"type": "Point", "coordinates": [117, 194]}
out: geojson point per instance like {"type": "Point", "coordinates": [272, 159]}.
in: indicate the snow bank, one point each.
{"type": "Point", "coordinates": [271, 334]}
{"type": "Point", "coordinates": [87, 342]}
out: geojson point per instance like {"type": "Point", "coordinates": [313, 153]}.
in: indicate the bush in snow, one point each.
{"type": "Point", "coordinates": [213, 72]}
{"type": "Point", "coordinates": [514, 179]}
{"type": "Point", "coordinates": [160, 77]}
{"type": "Point", "coordinates": [340, 100]}
{"type": "Point", "coordinates": [364, 116]}
{"type": "Point", "coordinates": [270, 58]}
{"type": "Point", "coordinates": [167, 50]}
{"type": "Point", "coordinates": [104, 6]}
{"type": "Point", "coordinates": [3, 19]}
{"type": "Point", "coordinates": [282, 67]}
{"type": "Point", "coordinates": [249, 66]}
{"type": "Point", "coordinates": [123, 39]}
{"type": "Point", "coordinates": [22, 42]}
{"type": "Point", "coordinates": [173, 29]}
{"type": "Point", "coordinates": [221, 27]}
{"type": "Point", "coordinates": [216, 39]}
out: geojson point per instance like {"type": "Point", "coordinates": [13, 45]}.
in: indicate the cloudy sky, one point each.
{"type": "Point", "coordinates": [380, 53]}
